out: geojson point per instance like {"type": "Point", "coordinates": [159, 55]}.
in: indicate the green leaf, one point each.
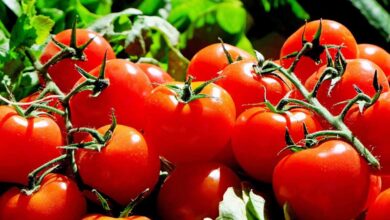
{"type": "Point", "coordinates": [231, 24]}
{"type": "Point", "coordinates": [104, 24]}
{"type": "Point", "coordinates": [43, 26]}
{"type": "Point", "coordinates": [177, 65]}
{"type": "Point", "coordinates": [298, 10]}
{"type": "Point", "coordinates": [100, 7]}
{"type": "Point", "coordinates": [376, 15]}
{"type": "Point", "coordinates": [241, 204]}
{"type": "Point", "coordinates": [245, 44]}
{"type": "Point", "coordinates": [22, 34]}
{"type": "Point", "coordinates": [14, 6]}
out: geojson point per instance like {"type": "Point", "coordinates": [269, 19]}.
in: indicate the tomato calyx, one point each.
{"type": "Point", "coordinates": [186, 94]}
{"type": "Point", "coordinates": [127, 211]}
{"type": "Point", "coordinates": [227, 54]}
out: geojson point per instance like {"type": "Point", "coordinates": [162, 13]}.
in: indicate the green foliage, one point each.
{"type": "Point", "coordinates": [296, 8]}
{"type": "Point", "coordinates": [241, 204]}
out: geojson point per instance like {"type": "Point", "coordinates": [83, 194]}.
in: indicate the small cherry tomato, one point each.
{"type": "Point", "coordinates": [379, 210]}
{"type": "Point", "coordinates": [155, 74]}
{"type": "Point", "coordinates": [333, 33]}
{"type": "Point", "coordinates": [57, 198]}
{"type": "Point", "coordinates": [377, 55]}
{"type": "Point", "coordinates": [123, 169]}
{"type": "Point", "coordinates": [207, 62]}
{"type": "Point", "coordinates": [64, 73]}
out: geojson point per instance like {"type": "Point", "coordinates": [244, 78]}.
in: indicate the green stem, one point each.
{"type": "Point", "coordinates": [322, 111]}
{"type": "Point", "coordinates": [306, 47]}
{"type": "Point", "coordinates": [95, 134]}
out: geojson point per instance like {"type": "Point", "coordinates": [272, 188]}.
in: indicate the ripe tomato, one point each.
{"type": "Point", "coordinates": [374, 190]}
{"type": "Point", "coordinates": [359, 72]}
{"type": "Point", "coordinates": [379, 210]}
{"type": "Point", "coordinates": [332, 33]}
{"type": "Point", "coordinates": [377, 55]}
{"type": "Point", "coordinates": [246, 87]}
{"type": "Point", "coordinates": [64, 73]}
{"type": "Point", "coordinates": [57, 198]}
{"type": "Point", "coordinates": [207, 62]}
{"type": "Point", "coordinates": [123, 169]}
{"type": "Point", "coordinates": [330, 181]}
{"type": "Point", "coordinates": [125, 95]}
{"type": "Point", "coordinates": [53, 102]}
{"type": "Point", "coordinates": [155, 74]}
{"type": "Point", "coordinates": [370, 127]}
{"type": "Point", "coordinates": [259, 138]}
{"type": "Point", "coordinates": [193, 131]}
{"type": "Point", "coordinates": [25, 144]}
{"type": "Point", "coordinates": [193, 191]}
{"type": "Point", "coordinates": [102, 217]}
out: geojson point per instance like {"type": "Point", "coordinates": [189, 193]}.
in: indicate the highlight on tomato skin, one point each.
{"type": "Point", "coordinates": [193, 191]}
{"type": "Point", "coordinates": [333, 33]}
{"type": "Point", "coordinates": [377, 55]}
{"type": "Point", "coordinates": [64, 73]}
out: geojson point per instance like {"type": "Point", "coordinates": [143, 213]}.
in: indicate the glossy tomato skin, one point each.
{"type": "Point", "coordinates": [330, 181]}
{"type": "Point", "coordinates": [193, 191]}
{"type": "Point", "coordinates": [102, 217]}
{"type": "Point", "coordinates": [259, 138]}
{"type": "Point", "coordinates": [64, 73]}
{"type": "Point", "coordinates": [125, 95]}
{"type": "Point", "coordinates": [26, 144]}
{"type": "Point", "coordinates": [123, 169]}
{"type": "Point", "coordinates": [377, 55]}
{"type": "Point", "coordinates": [379, 210]}
{"type": "Point", "coordinates": [188, 132]}
{"type": "Point", "coordinates": [332, 33]}
{"type": "Point", "coordinates": [207, 62]}
{"type": "Point", "coordinates": [57, 198]}
{"type": "Point", "coordinates": [246, 87]}
{"type": "Point", "coordinates": [359, 72]}
{"type": "Point", "coordinates": [53, 102]}
{"type": "Point", "coordinates": [155, 74]}
{"type": "Point", "coordinates": [370, 127]}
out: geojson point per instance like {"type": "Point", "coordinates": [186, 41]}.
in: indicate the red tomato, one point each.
{"type": "Point", "coordinates": [53, 102]}
{"type": "Point", "coordinates": [246, 87]}
{"type": "Point", "coordinates": [102, 217]}
{"type": "Point", "coordinates": [123, 169]}
{"type": "Point", "coordinates": [370, 127]}
{"type": "Point", "coordinates": [207, 62]}
{"type": "Point", "coordinates": [332, 33]}
{"type": "Point", "coordinates": [330, 181]}
{"type": "Point", "coordinates": [377, 55]}
{"type": "Point", "coordinates": [125, 95]}
{"type": "Point", "coordinates": [259, 138]}
{"type": "Point", "coordinates": [58, 198]}
{"type": "Point", "coordinates": [193, 131]}
{"type": "Point", "coordinates": [25, 144]}
{"type": "Point", "coordinates": [375, 189]}
{"type": "Point", "coordinates": [385, 182]}
{"type": "Point", "coordinates": [193, 191]}
{"type": "Point", "coordinates": [64, 73]}
{"type": "Point", "coordinates": [155, 74]}
{"type": "Point", "coordinates": [379, 210]}
{"type": "Point", "coordinates": [359, 72]}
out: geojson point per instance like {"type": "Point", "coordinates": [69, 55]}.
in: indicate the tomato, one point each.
{"type": "Point", "coordinates": [259, 138]}
{"type": "Point", "coordinates": [64, 73]}
{"type": "Point", "coordinates": [359, 72]}
{"type": "Point", "coordinates": [102, 217]}
{"type": "Point", "coordinates": [53, 102]}
{"type": "Point", "coordinates": [332, 33]}
{"type": "Point", "coordinates": [377, 55]}
{"type": "Point", "coordinates": [26, 144]}
{"type": "Point", "coordinates": [193, 131]}
{"type": "Point", "coordinates": [385, 182]}
{"type": "Point", "coordinates": [155, 74]}
{"type": "Point", "coordinates": [123, 169]}
{"type": "Point", "coordinates": [57, 198]}
{"type": "Point", "coordinates": [125, 95]}
{"type": "Point", "coordinates": [379, 210]}
{"type": "Point", "coordinates": [246, 87]}
{"type": "Point", "coordinates": [207, 62]}
{"type": "Point", "coordinates": [370, 127]}
{"type": "Point", "coordinates": [330, 181]}
{"type": "Point", "coordinates": [374, 190]}
{"type": "Point", "coordinates": [193, 191]}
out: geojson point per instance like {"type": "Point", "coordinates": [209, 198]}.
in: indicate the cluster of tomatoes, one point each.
{"type": "Point", "coordinates": [224, 124]}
